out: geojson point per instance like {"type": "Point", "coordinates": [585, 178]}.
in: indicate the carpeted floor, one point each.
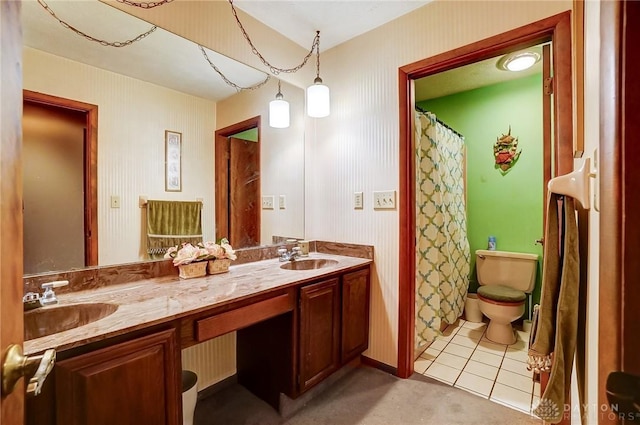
{"type": "Point", "coordinates": [365, 396]}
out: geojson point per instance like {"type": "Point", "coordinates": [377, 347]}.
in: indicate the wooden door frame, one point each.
{"type": "Point", "coordinates": [556, 28]}
{"type": "Point", "coordinates": [90, 153]}
{"type": "Point", "coordinates": [221, 176]}
{"type": "Point", "coordinates": [619, 292]}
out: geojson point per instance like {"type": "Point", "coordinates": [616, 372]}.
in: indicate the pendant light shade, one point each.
{"type": "Point", "coordinates": [318, 99]}
{"type": "Point", "coordinates": [279, 111]}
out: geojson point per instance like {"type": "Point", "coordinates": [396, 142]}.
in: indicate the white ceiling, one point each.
{"type": "Point", "coordinates": [337, 21]}
{"type": "Point", "coordinates": [469, 77]}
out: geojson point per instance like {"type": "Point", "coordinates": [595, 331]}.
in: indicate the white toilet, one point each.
{"type": "Point", "coordinates": [505, 278]}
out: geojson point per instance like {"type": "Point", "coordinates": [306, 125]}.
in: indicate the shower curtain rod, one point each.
{"type": "Point", "coordinates": [440, 121]}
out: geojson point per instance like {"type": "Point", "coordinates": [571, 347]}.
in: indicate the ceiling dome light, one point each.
{"type": "Point", "coordinates": [518, 61]}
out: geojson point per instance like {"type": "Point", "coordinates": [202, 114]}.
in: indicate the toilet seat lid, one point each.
{"type": "Point", "coordinates": [501, 293]}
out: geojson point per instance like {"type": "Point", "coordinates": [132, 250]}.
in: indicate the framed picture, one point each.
{"type": "Point", "coordinates": [172, 161]}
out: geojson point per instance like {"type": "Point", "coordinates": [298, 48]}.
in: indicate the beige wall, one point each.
{"type": "Point", "coordinates": [356, 147]}
{"type": "Point", "coordinates": [132, 118]}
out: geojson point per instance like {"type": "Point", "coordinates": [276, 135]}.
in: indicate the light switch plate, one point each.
{"type": "Point", "coordinates": [268, 202]}
{"type": "Point", "coordinates": [358, 202]}
{"type": "Point", "coordinates": [115, 201]}
{"type": "Point", "coordinates": [282, 202]}
{"type": "Point", "coordinates": [384, 200]}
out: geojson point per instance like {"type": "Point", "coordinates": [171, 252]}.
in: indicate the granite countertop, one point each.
{"type": "Point", "coordinates": [149, 302]}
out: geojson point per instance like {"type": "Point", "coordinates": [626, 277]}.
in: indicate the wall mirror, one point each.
{"type": "Point", "coordinates": [161, 83]}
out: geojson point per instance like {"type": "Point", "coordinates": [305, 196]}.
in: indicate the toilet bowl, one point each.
{"type": "Point", "coordinates": [505, 279]}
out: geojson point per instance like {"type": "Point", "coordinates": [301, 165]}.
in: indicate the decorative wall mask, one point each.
{"type": "Point", "coordinates": [506, 152]}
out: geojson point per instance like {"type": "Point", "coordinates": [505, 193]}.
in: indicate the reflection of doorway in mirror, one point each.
{"type": "Point", "coordinates": [238, 183]}
{"type": "Point", "coordinates": [59, 183]}
{"type": "Point", "coordinates": [53, 140]}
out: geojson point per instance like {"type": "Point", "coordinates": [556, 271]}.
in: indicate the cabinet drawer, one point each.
{"type": "Point", "coordinates": [242, 317]}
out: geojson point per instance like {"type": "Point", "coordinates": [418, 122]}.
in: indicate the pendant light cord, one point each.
{"type": "Point", "coordinates": [274, 69]}
{"type": "Point", "coordinates": [229, 82]}
{"type": "Point", "coordinates": [90, 38]}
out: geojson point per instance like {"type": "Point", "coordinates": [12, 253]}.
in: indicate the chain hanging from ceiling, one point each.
{"type": "Point", "coordinates": [275, 70]}
{"type": "Point", "coordinates": [90, 38]}
{"type": "Point", "coordinates": [145, 5]}
{"type": "Point", "coordinates": [229, 82]}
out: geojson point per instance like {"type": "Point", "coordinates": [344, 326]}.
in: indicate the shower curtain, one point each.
{"type": "Point", "coordinates": [442, 247]}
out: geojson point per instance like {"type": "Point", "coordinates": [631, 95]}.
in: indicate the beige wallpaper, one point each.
{"type": "Point", "coordinates": [132, 118]}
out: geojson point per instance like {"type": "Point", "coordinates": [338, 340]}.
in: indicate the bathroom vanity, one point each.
{"type": "Point", "coordinates": [294, 329]}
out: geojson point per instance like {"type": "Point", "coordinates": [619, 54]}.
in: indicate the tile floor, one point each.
{"type": "Point", "coordinates": [464, 358]}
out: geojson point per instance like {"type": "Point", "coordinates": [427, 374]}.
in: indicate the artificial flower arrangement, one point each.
{"type": "Point", "coordinates": [193, 260]}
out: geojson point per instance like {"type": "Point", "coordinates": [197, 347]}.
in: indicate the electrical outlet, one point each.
{"type": "Point", "coordinates": [358, 203]}
{"type": "Point", "coordinates": [268, 202]}
{"type": "Point", "coordinates": [282, 202]}
{"type": "Point", "coordinates": [115, 201]}
{"type": "Point", "coordinates": [384, 200]}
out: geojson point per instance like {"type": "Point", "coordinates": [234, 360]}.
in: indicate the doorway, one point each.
{"type": "Point", "coordinates": [556, 29]}
{"type": "Point", "coordinates": [60, 183]}
{"type": "Point", "coordinates": [237, 183]}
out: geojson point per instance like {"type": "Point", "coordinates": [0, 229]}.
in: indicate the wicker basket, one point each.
{"type": "Point", "coordinates": [197, 269]}
{"type": "Point", "coordinates": [219, 266]}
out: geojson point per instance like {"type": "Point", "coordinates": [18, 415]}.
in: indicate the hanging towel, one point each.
{"type": "Point", "coordinates": [555, 330]}
{"type": "Point", "coordinates": [170, 223]}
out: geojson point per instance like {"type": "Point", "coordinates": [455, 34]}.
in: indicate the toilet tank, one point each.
{"type": "Point", "coordinates": [513, 269]}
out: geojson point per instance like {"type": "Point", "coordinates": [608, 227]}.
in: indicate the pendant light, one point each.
{"type": "Point", "coordinates": [279, 111]}
{"type": "Point", "coordinates": [318, 102]}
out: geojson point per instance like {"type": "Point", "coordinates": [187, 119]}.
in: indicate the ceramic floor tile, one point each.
{"type": "Point", "coordinates": [421, 365]}
{"type": "Point", "coordinates": [534, 402]}
{"type": "Point", "coordinates": [458, 350]}
{"type": "Point", "coordinates": [438, 344]}
{"type": "Point", "coordinates": [519, 355]}
{"type": "Point", "coordinates": [442, 373]}
{"type": "Point", "coordinates": [474, 325]}
{"type": "Point", "coordinates": [487, 358]}
{"type": "Point", "coordinates": [475, 334]}
{"type": "Point", "coordinates": [514, 380]}
{"type": "Point", "coordinates": [430, 354]}
{"type": "Point", "coordinates": [491, 347]}
{"type": "Point", "coordinates": [475, 383]}
{"type": "Point", "coordinates": [512, 397]}
{"type": "Point", "coordinates": [451, 360]}
{"type": "Point", "coordinates": [516, 366]}
{"type": "Point", "coordinates": [464, 340]}
{"type": "Point", "coordinates": [447, 334]}
{"type": "Point", "coordinates": [519, 345]}
{"type": "Point", "coordinates": [481, 369]}
{"type": "Point", "coordinates": [536, 390]}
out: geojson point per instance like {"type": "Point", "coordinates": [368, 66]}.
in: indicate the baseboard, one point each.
{"type": "Point", "coordinates": [217, 387]}
{"type": "Point", "coordinates": [368, 361]}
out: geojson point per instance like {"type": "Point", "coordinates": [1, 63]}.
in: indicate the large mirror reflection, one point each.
{"type": "Point", "coordinates": [135, 94]}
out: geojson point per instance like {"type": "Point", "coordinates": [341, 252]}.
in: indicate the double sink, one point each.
{"type": "Point", "coordinates": [51, 320]}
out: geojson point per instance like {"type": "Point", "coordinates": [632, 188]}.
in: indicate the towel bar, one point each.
{"type": "Point", "coordinates": [575, 184]}
{"type": "Point", "coordinates": [142, 201]}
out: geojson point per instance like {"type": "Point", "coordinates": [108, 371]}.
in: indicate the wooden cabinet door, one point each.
{"type": "Point", "coordinates": [132, 383]}
{"type": "Point", "coordinates": [319, 332]}
{"type": "Point", "coordinates": [355, 314]}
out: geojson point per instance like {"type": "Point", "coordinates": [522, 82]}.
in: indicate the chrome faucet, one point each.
{"type": "Point", "coordinates": [285, 255]}
{"type": "Point", "coordinates": [49, 297]}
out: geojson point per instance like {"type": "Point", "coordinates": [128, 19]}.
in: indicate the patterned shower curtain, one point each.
{"type": "Point", "coordinates": [442, 248]}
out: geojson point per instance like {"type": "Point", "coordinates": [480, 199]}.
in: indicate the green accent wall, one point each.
{"type": "Point", "coordinates": [509, 206]}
